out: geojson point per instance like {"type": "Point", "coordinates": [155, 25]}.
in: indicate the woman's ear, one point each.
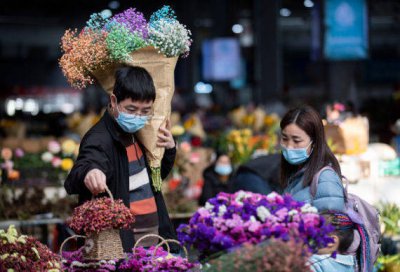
{"type": "Point", "coordinates": [335, 245]}
{"type": "Point", "coordinates": [113, 100]}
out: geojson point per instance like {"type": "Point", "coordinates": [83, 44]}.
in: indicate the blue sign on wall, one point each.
{"type": "Point", "coordinates": [346, 30]}
{"type": "Point", "coordinates": [221, 59]}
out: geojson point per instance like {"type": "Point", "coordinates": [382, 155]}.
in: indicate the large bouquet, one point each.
{"type": "Point", "coordinates": [230, 220]}
{"type": "Point", "coordinates": [106, 42]}
{"type": "Point", "coordinates": [25, 253]}
{"type": "Point", "coordinates": [128, 39]}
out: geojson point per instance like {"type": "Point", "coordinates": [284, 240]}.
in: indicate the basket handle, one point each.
{"type": "Point", "coordinates": [148, 236]}
{"type": "Point", "coordinates": [69, 238]}
{"type": "Point", "coordinates": [110, 195]}
{"type": "Point", "coordinates": [166, 241]}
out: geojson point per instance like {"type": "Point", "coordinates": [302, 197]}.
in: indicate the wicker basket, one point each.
{"type": "Point", "coordinates": [105, 245]}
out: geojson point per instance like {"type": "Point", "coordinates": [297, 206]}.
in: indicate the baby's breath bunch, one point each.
{"type": "Point", "coordinates": [83, 53]}
{"type": "Point", "coordinates": [168, 35]}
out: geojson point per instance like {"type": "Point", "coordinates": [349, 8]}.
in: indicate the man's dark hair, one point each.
{"type": "Point", "coordinates": [135, 83]}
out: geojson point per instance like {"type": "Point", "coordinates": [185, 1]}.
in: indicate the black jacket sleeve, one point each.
{"type": "Point", "coordinates": [167, 162]}
{"type": "Point", "coordinates": [91, 156]}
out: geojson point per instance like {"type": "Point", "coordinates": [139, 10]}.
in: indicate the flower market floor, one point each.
{"type": "Point", "coordinates": [378, 189]}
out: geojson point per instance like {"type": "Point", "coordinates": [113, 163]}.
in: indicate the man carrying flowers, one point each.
{"type": "Point", "coordinates": [110, 156]}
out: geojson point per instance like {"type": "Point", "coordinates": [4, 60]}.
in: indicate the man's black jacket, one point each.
{"type": "Point", "coordinates": [101, 148]}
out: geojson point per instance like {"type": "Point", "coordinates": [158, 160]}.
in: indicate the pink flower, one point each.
{"type": "Point", "coordinates": [56, 162]}
{"type": "Point", "coordinates": [204, 212]}
{"type": "Point", "coordinates": [311, 219]}
{"type": "Point", "coordinates": [54, 147]}
{"type": "Point", "coordinates": [282, 213]}
{"type": "Point", "coordinates": [19, 152]}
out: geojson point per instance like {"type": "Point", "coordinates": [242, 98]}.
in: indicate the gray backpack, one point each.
{"type": "Point", "coordinates": [367, 218]}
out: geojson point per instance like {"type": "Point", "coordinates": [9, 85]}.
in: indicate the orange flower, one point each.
{"type": "Point", "coordinates": [83, 53]}
{"type": "Point", "coordinates": [13, 175]}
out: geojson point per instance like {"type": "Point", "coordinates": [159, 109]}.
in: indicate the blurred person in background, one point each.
{"type": "Point", "coordinates": [259, 175]}
{"type": "Point", "coordinates": [216, 178]}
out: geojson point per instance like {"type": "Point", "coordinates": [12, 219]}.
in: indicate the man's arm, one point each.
{"type": "Point", "coordinates": [83, 175]}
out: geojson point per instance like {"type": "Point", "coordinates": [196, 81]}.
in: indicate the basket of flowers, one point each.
{"type": "Point", "coordinates": [100, 219]}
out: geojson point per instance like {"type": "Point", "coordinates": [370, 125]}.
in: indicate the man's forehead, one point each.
{"type": "Point", "coordinates": [137, 104]}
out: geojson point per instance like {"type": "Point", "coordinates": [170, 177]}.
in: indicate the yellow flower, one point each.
{"type": "Point", "coordinates": [68, 147]}
{"type": "Point", "coordinates": [246, 132]}
{"type": "Point", "coordinates": [271, 119]}
{"type": "Point", "coordinates": [66, 164]}
{"type": "Point", "coordinates": [189, 123]}
{"type": "Point", "coordinates": [248, 119]}
{"type": "Point", "coordinates": [177, 130]}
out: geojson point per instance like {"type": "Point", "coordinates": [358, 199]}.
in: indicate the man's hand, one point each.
{"type": "Point", "coordinates": [95, 181]}
{"type": "Point", "coordinates": [165, 138]}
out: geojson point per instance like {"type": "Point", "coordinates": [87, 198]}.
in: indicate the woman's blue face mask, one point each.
{"type": "Point", "coordinates": [131, 123]}
{"type": "Point", "coordinates": [296, 156]}
{"type": "Point", "coordinates": [223, 169]}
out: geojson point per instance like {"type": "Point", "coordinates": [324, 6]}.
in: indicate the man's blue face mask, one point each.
{"type": "Point", "coordinates": [295, 156]}
{"type": "Point", "coordinates": [131, 123]}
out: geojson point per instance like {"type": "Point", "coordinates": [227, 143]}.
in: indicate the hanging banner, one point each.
{"type": "Point", "coordinates": [346, 30]}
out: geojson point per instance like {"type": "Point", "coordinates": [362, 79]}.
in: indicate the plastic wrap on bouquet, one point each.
{"type": "Point", "coordinates": [162, 70]}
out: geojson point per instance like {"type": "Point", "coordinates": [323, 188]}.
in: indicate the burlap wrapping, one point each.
{"type": "Point", "coordinates": [162, 70]}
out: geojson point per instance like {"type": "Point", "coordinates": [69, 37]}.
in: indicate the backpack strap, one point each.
{"type": "Point", "coordinates": [314, 183]}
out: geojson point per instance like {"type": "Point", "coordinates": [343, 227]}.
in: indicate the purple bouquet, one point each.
{"type": "Point", "coordinates": [229, 220]}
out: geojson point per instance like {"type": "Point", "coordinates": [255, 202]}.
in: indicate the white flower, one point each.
{"type": "Point", "coordinates": [307, 208]}
{"type": "Point", "coordinates": [240, 195]}
{"type": "Point", "coordinates": [170, 37]}
{"type": "Point", "coordinates": [272, 196]}
{"type": "Point", "coordinates": [253, 219]}
{"type": "Point", "coordinates": [209, 207]}
{"type": "Point", "coordinates": [292, 212]}
{"type": "Point", "coordinates": [221, 210]}
{"type": "Point", "coordinates": [47, 156]}
{"type": "Point", "coordinates": [263, 213]}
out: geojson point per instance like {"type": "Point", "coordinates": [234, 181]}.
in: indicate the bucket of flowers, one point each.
{"type": "Point", "coordinates": [230, 220]}
{"type": "Point", "coordinates": [100, 220]}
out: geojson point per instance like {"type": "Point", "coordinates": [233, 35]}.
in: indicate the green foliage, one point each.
{"type": "Point", "coordinates": [390, 216]}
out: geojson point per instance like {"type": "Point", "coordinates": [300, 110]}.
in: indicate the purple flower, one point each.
{"type": "Point", "coordinates": [133, 20]}
{"type": "Point", "coordinates": [229, 220]}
